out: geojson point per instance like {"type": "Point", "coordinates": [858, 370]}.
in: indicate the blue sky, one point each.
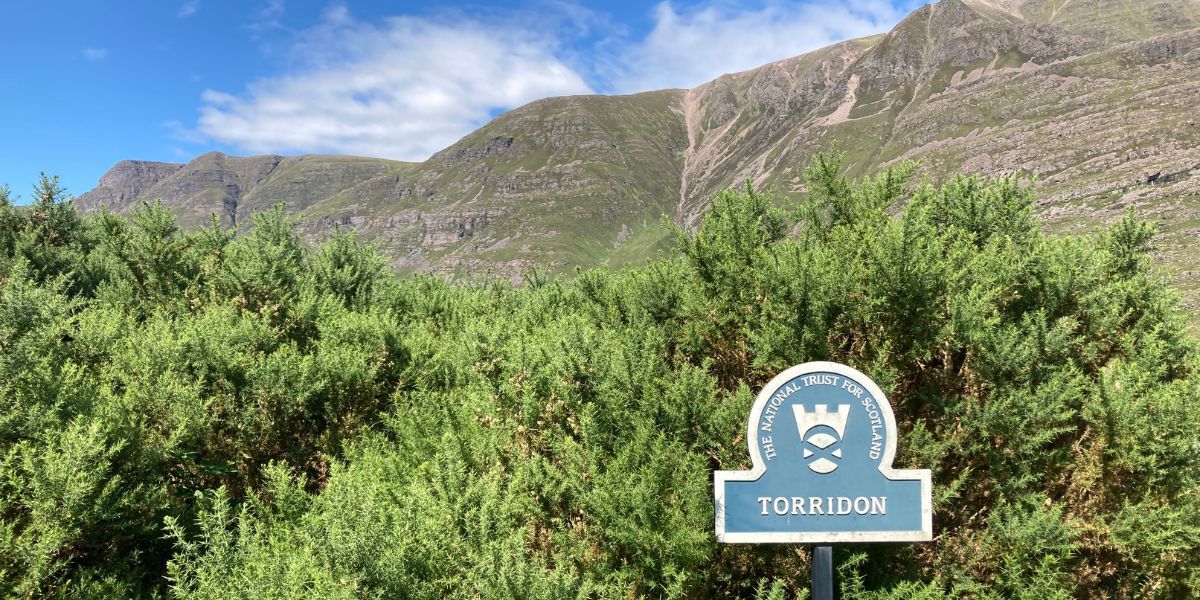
{"type": "Point", "coordinates": [90, 83]}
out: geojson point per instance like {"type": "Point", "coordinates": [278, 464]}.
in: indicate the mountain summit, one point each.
{"type": "Point", "coordinates": [1096, 98]}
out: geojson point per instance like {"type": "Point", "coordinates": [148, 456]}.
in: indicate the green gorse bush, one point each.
{"type": "Point", "coordinates": [199, 415]}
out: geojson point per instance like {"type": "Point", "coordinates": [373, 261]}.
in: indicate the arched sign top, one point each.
{"type": "Point", "coordinates": [794, 376]}
{"type": "Point", "coordinates": [822, 437]}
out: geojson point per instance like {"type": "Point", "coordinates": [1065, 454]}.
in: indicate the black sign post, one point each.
{"type": "Point", "coordinates": [822, 573]}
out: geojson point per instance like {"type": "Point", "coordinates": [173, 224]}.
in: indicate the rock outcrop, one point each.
{"type": "Point", "coordinates": [124, 184]}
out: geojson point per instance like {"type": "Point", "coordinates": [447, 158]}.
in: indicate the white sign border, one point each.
{"type": "Point", "coordinates": [885, 467]}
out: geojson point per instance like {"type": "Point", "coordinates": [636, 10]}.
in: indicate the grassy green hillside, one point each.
{"type": "Point", "coordinates": [561, 182]}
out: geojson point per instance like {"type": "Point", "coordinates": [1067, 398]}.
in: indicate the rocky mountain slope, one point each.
{"type": "Point", "coordinates": [1096, 98]}
{"type": "Point", "coordinates": [229, 186]}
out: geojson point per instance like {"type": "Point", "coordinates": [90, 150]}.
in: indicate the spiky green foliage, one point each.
{"type": "Point", "coordinates": [201, 416]}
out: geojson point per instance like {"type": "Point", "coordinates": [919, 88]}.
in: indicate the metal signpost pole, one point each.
{"type": "Point", "coordinates": [822, 573]}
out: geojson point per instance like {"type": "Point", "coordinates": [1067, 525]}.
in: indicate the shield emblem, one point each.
{"type": "Point", "coordinates": [821, 433]}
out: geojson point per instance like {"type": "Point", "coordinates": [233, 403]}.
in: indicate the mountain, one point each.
{"type": "Point", "coordinates": [232, 187]}
{"type": "Point", "coordinates": [1096, 98]}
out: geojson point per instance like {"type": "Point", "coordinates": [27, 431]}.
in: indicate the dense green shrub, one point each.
{"type": "Point", "coordinates": [191, 414]}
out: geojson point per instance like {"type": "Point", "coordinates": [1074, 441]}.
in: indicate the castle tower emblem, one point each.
{"type": "Point", "coordinates": [815, 430]}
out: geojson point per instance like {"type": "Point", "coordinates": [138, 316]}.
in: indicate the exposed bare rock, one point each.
{"type": "Point", "coordinates": [124, 184]}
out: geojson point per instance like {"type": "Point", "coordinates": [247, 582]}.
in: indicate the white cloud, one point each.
{"type": "Point", "coordinates": [188, 9]}
{"type": "Point", "coordinates": [95, 54]}
{"type": "Point", "coordinates": [268, 17]}
{"type": "Point", "coordinates": [688, 47]}
{"type": "Point", "coordinates": [406, 87]}
{"type": "Point", "coordinates": [402, 89]}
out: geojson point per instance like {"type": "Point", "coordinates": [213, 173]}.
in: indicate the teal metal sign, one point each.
{"type": "Point", "coordinates": [822, 437]}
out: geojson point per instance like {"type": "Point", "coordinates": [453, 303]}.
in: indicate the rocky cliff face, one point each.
{"type": "Point", "coordinates": [231, 187]}
{"type": "Point", "coordinates": [124, 184]}
{"type": "Point", "coordinates": [1097, 98]}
